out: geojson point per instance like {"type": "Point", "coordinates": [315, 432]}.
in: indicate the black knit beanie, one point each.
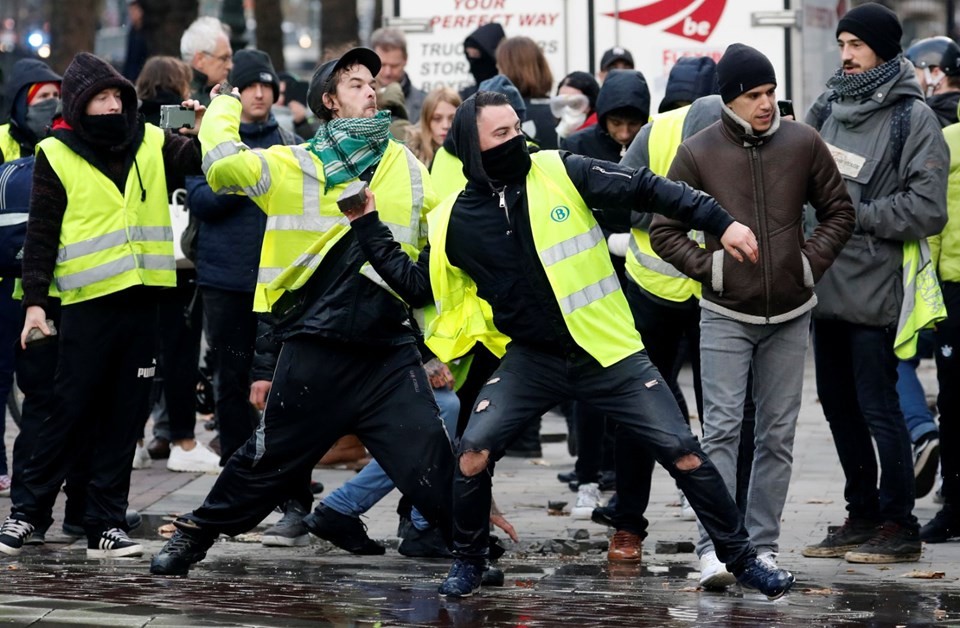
{"type": "Point", "coordinates": [875, 25]}
{"type": "Point", "coordinates": [88, 75]}
{"type": "Point", "coordinates": [741, 69]}
{"type": "Point", "coordinates": [254, 66]}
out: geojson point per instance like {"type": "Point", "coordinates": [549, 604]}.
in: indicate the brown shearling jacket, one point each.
{"type": "Point", "coordinates": [763, 182]}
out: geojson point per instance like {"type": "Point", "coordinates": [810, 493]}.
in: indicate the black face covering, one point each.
{"type": "Point", "coordinates": [111, 129]}
{"type": "Point", "coordinates": [482, 68]}
{"type": "Point", "coordinates": [507, 163]}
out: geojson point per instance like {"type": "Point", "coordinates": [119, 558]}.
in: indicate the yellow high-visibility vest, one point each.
{"type": "Point", "coordinates": [446, 172]}
{"type": "Point", "coordinates": [643, 265]}
{"type": "Point", "coordinates": [923, 305]}
{"type": "Point", "coordinates": [574, 255]}
{"type": "Point", "coordinates": [109, 241]}
{"type": "Point", "coordinates": [8, 146]}
{"type": "Point", "coordinates": [303, 221]}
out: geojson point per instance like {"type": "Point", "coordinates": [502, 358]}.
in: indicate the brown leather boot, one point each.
{"type": "Point", "coordinates": [625, 547]}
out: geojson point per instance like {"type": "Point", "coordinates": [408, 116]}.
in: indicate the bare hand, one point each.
{"type": "Point", "coordinates": [501, 522]}
{"type": "Point", "coordinates": [215, 91]}
{"type": "Point", "coordinates": [35, 318]}
{"type": "Point", "coordinates": [198, 111]}
{"type": "Point", "coordinates": [369, 206]}
{"type": "Point", "coordinates": [738, 240]}
{"type": "Point", "coordinates": [258, 393]}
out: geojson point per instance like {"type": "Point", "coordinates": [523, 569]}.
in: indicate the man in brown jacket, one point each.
{"type": "Point", "coordinates": [762, 169]}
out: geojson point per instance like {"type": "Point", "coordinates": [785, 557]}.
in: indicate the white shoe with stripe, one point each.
{"type": "Point", "coordinates": [113, 543]}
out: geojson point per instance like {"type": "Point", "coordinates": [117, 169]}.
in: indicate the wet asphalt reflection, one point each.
{"type": "Point", "coordinates": [302, 588]}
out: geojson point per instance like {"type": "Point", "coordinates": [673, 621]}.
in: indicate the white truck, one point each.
{"type": "Point", "coordinates": [797, 35]}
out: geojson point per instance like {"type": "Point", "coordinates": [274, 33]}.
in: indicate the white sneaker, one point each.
{"type": "Point", "coordinates": [198, 460]}
{"type": "Point", "coordinates": [769, 559]}
{"type": "Point", "coordinates": [141, 458]}
{"type": "Point", "coordinates": [713, 574]}
{"type": "Point", "coordinates": [588, 498]}
{"type": "Point", "coordinates": [686, 510]}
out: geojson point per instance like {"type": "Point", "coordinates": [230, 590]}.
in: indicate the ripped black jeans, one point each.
{"type": "Point", "coordinates": [632, 393]}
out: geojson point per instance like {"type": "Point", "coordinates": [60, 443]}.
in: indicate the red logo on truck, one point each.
{"type": "Point", "coordinates": [693, 19]}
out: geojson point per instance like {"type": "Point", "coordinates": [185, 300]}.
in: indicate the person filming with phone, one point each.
{"type": "Point", "coordinates": [99, 237]}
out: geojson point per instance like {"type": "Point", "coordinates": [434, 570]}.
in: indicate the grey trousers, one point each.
{"type": "Point", "coordinates": [728, 349]}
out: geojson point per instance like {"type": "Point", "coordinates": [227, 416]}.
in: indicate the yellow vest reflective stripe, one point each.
{"type": "Point", "coordinates": [643, 264]}
{"type": "Point", "coordinates": [462, 318]}
{"type": "Point", "coordinates": [9, 146]}
{"type": "Point", "coordinates": [923, 304]}
{"type": "Point", "coordinates": [446, 172]}
{"type": "Point", "coordinates": [110, 242]}
{"type": "Point", "coordinates": [296, 241]}
{"type": "Point", "coordinates": [575, 259]}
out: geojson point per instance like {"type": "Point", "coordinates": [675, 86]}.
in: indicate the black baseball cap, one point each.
{"type": "Point", "coordinates": [615, 54]}
{"type": "Point", "coordinates": [321, 78]}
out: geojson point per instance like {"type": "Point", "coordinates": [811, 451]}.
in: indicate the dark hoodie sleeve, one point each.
{"type": "Point", "coordinates": [409, 279]}
{"type": "Point", "coordinates": [610, 186]}
{"type": "Point", "coordinates": [48, 203]}
{"type": "Point", "coordinates": [181, 157]}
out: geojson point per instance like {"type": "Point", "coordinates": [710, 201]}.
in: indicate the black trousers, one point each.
{"type": "Point", "coordinates": [180, 330]}
{"type": "Point", "coordinates": [948, 399]}
{"type": "Point", "coordinates": [324, 390]}
{"type": "Point", "coordinates": [106, 364]}
{"type": "Point", "coordinates": [632, 393]}
{"type": "Point", "coordinates": [231, 327]}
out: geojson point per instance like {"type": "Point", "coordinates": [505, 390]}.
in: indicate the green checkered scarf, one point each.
{"type": "Point", "coordinates": [349, 146]}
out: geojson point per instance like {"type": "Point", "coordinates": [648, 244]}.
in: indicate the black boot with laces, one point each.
{"type": "Point", "coordinates": [188, 545]}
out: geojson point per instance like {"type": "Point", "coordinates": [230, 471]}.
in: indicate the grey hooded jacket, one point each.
{"type": "Point", "coordinates": [893, 202]}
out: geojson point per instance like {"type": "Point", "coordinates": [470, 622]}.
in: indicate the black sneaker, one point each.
{"type": "Point", "coordinates": [112, 543]}
{"type": "Point", "coordinates": [926, 460]}
{"type": "Point", "coordinates": [604, 516]}
{"type": "Point", "coordinates": [187, 546]}
{"type": "Point", "coordinates": [427, 543]}
{"type": "Point", "coordinates": [849, 536]}
{"type": "Point", "coordinates": [463, 580]}
{"type": "Point", "coordinates": [765, 578]}
{"type": "Point", "coordinates": [347, 533]}
{"type": "Point", "coordinates": [566, 478]}
{"type": "Point", "coordinates": [944, 526]}
{"type": "Point", "coordinates": [289, 531]}
{"type": "Point", "coordinates": [492, 576]}
{"type": "Point", "coordinates": [13, 533]}
{"type": "Point", "coordinates": [891, 544]}
{"type": "Point", "coordinates": [76, 531]}
{"type": "Point", "coordinates": [38, 536]}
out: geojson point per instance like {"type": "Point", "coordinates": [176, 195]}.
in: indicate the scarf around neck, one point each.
{"type": "Point", "coordinates": [863, 84]}
{"type": "Point", "coordinates": [349, 146]}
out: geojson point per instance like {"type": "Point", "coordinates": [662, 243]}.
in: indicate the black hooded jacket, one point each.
{"type": "Point", "coordinates": [86, 76]}
{"type": "Point", "coordinates": [25, 73]}
{"type": "Point", "coordinates": [494, 245]}
{"type": "Point", "coordinates": [622, 89]}
{"type": "Point", "coordinates": [945, 106]}
{"type": "Point", "coordinates": [485, 39]}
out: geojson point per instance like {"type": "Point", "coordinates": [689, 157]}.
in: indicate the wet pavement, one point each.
{"type": "Point", "coordinates": [558, 574]}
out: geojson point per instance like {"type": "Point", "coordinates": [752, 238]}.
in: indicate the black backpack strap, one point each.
{"type": "Point", "coordinates": [287, 137]}
{"type": "Point", "coordinates": [900, 129]}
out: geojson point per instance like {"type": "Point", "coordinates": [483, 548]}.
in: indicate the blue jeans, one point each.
{"type": "Point", "coordinates": [372, 484]}
{"type": "Point", "coordinates": [857, 384]}
{"type": "Point", "coordinates": [913, 401]}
